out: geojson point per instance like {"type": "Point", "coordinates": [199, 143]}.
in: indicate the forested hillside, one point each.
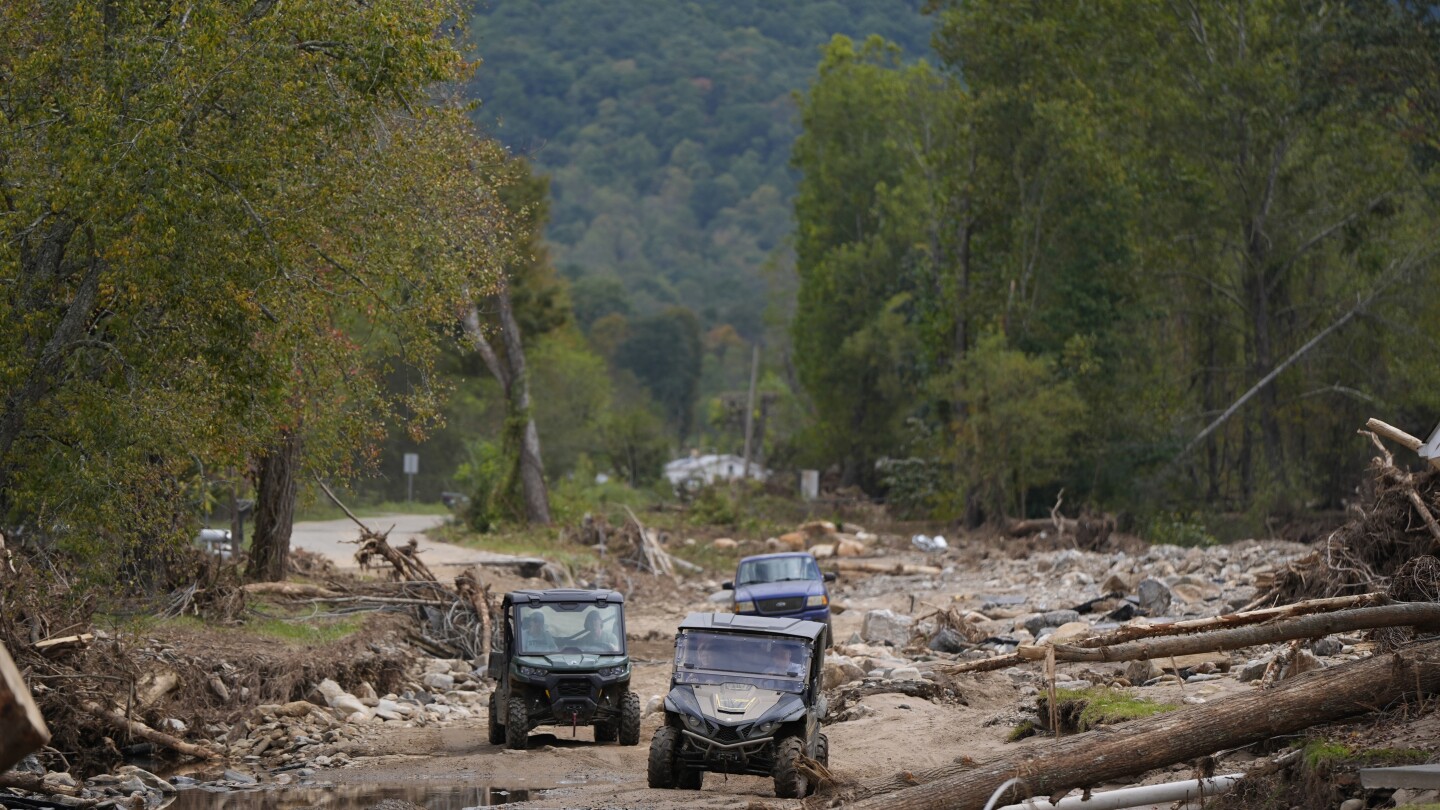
{"type": "Point", "coordinates": [666, 130]}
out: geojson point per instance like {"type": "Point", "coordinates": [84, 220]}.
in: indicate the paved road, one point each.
{"type": "Point", "coordinates": [336, 539]}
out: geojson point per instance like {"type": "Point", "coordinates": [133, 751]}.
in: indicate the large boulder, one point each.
{"type": "Point", "coordinates": [1154, 596]}
{"type": "Point", "coordinates": [886, 627]}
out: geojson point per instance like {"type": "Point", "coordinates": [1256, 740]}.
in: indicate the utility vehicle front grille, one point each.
{"type": "Point", "coordinates": [573, 688]}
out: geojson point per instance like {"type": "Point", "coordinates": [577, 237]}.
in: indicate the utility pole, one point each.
{"type": "Point", "coordinates": [750, 404]}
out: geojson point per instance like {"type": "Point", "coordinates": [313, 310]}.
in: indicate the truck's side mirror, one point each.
{"type": "Point", "coordinates": [496, 666]}
{"type": "Point", "coordinates": [727, 586]}
{"type": "Point", "coordinates": [829, 576]}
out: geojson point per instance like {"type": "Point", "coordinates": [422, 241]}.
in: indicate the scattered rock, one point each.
{"type": "Point", "coordinates": [1054, 618]}
{"type": "Point", "coordinates": [946, 640]}
{"type": "Point", "coordinates": [724, 544]}
{"type": "Point", "coordinates": [1154, 596]}
{"type": "Point", "coordinates": [440, 681]}
{"type": "Point", "coordinates": [886, 627]}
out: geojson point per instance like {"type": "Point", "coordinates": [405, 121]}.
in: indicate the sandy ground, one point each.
{"type": "Point", "coordinates": [899, 734]}
{"type": "Point", "coordinates": [902, 733]}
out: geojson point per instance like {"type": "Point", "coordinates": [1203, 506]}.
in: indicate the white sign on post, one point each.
{"type": "Point", "coordinates": [412, 466]}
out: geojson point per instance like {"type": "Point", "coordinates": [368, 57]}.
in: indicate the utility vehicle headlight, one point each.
{"type": "Point", "coordinates": [764, 728]}
{"type": "Point", "coordinates": [694, 723]}
{"type": "Point", "coordinates": [613, 672]}
{"type": "Point", "coordinates": [820, 600]}
{"type": "Point", "coordinates": [532, 672]}
{"type": "Point", "coordinates": [744, 607]}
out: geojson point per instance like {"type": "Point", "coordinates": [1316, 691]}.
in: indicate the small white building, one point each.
{"type": "Point", "coordinates": [696, 470]}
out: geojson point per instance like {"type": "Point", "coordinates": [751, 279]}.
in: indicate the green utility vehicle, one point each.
{"type": "Point", "coordinates": [744, 697]}
{"type": "Point", "coordinates": [559, 660]}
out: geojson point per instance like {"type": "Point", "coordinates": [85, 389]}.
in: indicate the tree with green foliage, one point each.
{"type": "Point", "coordinates": [1169, 212]}
{"type": "Point", "coordinates": [221, 222]}
{"type": "Point", "coordinates": [664, 353]}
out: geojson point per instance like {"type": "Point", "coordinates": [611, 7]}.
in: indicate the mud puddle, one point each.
{"type": "Point", "coordinates": [431, 796]}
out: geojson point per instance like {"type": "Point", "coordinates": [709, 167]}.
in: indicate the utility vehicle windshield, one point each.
{"type": "Point", "coordinates": [777, 569]}
{"type": "Point", "coordinates": [770, 662]}
{"type": "Point", "coordinates": [570, 627]}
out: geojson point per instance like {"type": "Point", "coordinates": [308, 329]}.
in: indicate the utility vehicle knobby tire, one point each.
{"type": "Point", "coordinates": [517, 725]}
{"type": "Point", "coordinates": [790, 783]}
{"type": "Point", "coordinates": [605, 731]}
{"type": "Point", "coordinates": [822, 751]}
{"type": "Point", "coordinates": [630, 719]}
{"type": "Point", "coordinates": [661, 766]}
{"type": "Point", "coordinates": [497, 731]}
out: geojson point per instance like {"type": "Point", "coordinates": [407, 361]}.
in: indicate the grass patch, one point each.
{"type": "Point", "coordinates": [1081, 710]}
{"type": "Point", "coordinates": [276, 623]}
{"type": "Point", "coordinates": [541, 541]}
{"type": "Point", "coordinates": [1022, 731]}
{"type": "Point", "coordinates": [300, 631]}
{"type": "Point", "coordinates": [1325, 753]}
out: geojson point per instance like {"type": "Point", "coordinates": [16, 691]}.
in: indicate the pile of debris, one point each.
{"type": "Point", "coordinates": [1192, 620]}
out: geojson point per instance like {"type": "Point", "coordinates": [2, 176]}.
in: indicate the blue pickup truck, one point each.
{"type": "Point", "coordinates": [787, 585]}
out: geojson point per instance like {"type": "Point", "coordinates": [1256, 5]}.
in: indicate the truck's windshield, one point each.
{"type": "Point", "coordinates": [770, 662]}
{"type": "Point", "coordinates": [570, 627]}
{"type": "Point", "coordinates": [777, 569]}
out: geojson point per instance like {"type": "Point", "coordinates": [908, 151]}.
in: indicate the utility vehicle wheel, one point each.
{"type": "Point", "coordinates": [605, 732]}
{"type": "Point", "coordinates": [630, 719]}
{"type": "Point", "coordinates": [661, 767]}
{"type": "Point", "coordinates": [790, 783]}
{"type": "Point", "coordinates": [822, 751]}
{"type": "Point", "coordinates": [497, 731]}
{"type": "Point", "coordinates": [517, 725]}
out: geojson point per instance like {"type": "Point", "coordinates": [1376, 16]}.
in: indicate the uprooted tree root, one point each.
{"type": "Point", "coordinates": [1364, 553]}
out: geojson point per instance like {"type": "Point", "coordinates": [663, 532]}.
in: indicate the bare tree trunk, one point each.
{"type": "Point", "coordinates": [510, 371]}
{"type": "Point", "coordinates": [275, 509]}
{"type": "Point", "coordinates": [1056, 768]}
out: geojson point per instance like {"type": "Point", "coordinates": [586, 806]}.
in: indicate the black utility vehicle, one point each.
{"type": "Point", "coordinates": [744, 698]}
{"type": "Point", "coordinates": [560, 660]}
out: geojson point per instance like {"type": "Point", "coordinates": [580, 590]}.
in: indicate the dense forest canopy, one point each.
{"type": "Point", "coordinates": [1072, 262]}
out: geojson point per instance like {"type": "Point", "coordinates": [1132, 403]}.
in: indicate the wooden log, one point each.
{"type": "Point", "coordinates": [1394, 434]}
{"type": "Point", "coordinates": [54, 645]}
{"type": "Point", "coordinates": [144, 732]}
{"type": "Point", "coordinates": [295, 589]}
{"type": "Point", "coordinates": [22, 728]}
{"type": "Point", "coordinates": [1023, 528]}
{"type": "Point", "coordinates": [473, 590]}
{"type": "Point", "coordinates": [1133, 632]}
{"type": "Point", "coordinates": [1412, 614]}
{"type": "Point", "coordinates": [1106, 754]}
{"type": "Point", "coordinates": [870, 567]}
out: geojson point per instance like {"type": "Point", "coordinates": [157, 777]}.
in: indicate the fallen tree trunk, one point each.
{"type": "Point", "coordinates": [1023, 528]}
{"type": "Point", "coordinates": [295, 589]}
{"type": "Point", "coordinates": [22, 728]}
{"type": "Point", "coordinates": [148, 734]}
{"type": "Point", "coordinates": [1056, 768]}
{"type": "Point", "coordinates": [1424, 615]}
{"type": "Point", "coordinates": [848, 564]}
{"type": "Point", "coordinates": [1311, 606]}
